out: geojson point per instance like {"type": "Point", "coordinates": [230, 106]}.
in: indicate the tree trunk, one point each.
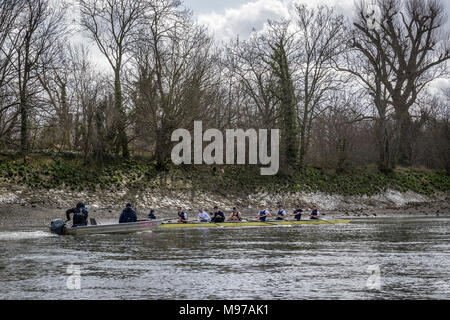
{"type": "Point", "coordinates": [404, 139]}
{"type": "Point", "coordinates": [23, 125]}
{"type": "Point", "coordinates": [303, 148]}
{"type": "Point", "coordinates": [385, 163]}
{"type": "Point", "coordinates": [66, 119]}
{"type": "Point", "coordinates": [122, 135]}
{"type": "Point", "coordinates": [161, 148]}
{"type": "Point", "coordinates": [341, 154]}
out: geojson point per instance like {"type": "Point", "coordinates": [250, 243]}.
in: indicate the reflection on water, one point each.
{"type": "Point", "coordinates": [304, 262]}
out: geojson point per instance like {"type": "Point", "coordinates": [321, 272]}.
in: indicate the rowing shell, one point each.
{"type": "Point", "coordinates": [248, 224]}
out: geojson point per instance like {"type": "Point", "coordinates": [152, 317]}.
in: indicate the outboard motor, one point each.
{"type": "Point", "coordinates": [58, 226]}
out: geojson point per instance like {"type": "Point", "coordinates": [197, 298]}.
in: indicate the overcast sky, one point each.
{"type": "Point", "coordinates": [229, 18]}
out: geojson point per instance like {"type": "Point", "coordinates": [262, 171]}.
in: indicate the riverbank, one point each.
{"type": "Point", "coordinates": [41, 189]}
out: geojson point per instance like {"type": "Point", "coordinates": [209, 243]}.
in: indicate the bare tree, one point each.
{"type": "Point", "coordinates": [55, 81]}
{"type": "Point", "coordinates": [319, 40]}
{"type": "Point", "coordinates": [369, 74]}
{"type": "Point", "coordinates": [246, 62]}
{"type": "Point", "coordinates": [411, 51]}
{"type": "Point", "coordinates": [113, 24]}
{"type": "Point", "coordinates": [173, 62]}
{"type": "Point", "coordinates": [89, 89]}
{"type": "Point", "coordinates": [9, 12]}
{"type": "Point", "coordinates": [40, 24]}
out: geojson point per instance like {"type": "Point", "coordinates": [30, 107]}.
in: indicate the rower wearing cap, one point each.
{"type": "Point", "coordinates": [281, 214]}
{"type": "Point", "coordinates": [263, 213]}
{"type": "Point", "coordinates": [182, 216]}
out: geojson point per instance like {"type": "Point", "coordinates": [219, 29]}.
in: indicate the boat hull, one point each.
{"type": "Point", "coordinates": [248, 224]}
{"type": "Point", "coordinates": [113, 228]}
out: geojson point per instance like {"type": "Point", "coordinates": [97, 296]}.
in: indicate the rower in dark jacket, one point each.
{"type": "Point", "coordinates": [80, 215]}
{"type": "Point", "coordinates": [219, 216]}
{"type": "Point", "coordinates": [151, 215]}
{"type": "Point", "coordinates": [298, 213]}
{"type": "Point", "coordinates": [128, 215]}
{"type": "Point", "coordinates": [315, 214]}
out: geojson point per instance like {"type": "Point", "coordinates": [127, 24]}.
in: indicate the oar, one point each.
{"type": "Point", "coordinates": [320, 219]}
{"type": "Point", "coordinates": [165, 220]}
{"type": "Point", "coordinates": [270, 223]}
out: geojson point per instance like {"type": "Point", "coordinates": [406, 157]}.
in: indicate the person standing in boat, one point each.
{"type": "Point", "coordinates": [80, 215]}
{"type": "Point", "coordinates": [315, 214]}
{"type": "Point", "coordinates": [281, 214]}
{"type": "Point", "coordinates": [235, 215]}
{"type": "Point", "coordinates": [263, 213]}
{"type": "Point", "coordinates": [219, 216]}
{"type": "Point", "coordinates": [151, 215]}
{"type": "Point", "coordinates": [182, 216]}
{"type": "Point", "coordinates": [298, 213]}
{"type": "Point", "coordinates": [128, 215]}
{"type": "Point", "coordinates": [203, 216]}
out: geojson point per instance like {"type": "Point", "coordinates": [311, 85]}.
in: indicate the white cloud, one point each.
{"type": "Point", "coordinates": [243, 19]}
{"type": "Point", "coordinates": [254, 15]}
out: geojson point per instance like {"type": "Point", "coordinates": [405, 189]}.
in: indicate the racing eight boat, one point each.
{"type": "Point", "coordinates": [248, 224]}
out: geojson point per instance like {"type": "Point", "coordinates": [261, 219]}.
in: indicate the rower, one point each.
{"type": "Point", "coordinates": [182, 216]}
{"type": "Point", "coordinates": [298, 213]}
{"type": "Point", "coordinates": [235, 215]}
{"type": "Point", "coordinates": [263, 213]}
{"type": "Point", "coordinates": [219, 216]}
{"type": "Point", "coordinates": [80, 215]}
{"type": "Point", "coordinates": [203, 216]}
{"type": "Point", "coordinates": [315, 214]}
{"type": "Point", "coordinates": [151, 215]}
{"type": "Point", "coordinates": [128, 215]}
{"type": "Point", "coordinates": [281, 214]}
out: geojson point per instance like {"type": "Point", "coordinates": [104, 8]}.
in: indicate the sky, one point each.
{"type": "Point", "coordinates": [228, 18]}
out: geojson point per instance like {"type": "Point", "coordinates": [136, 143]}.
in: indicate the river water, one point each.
{"type": "Point", "coordinates": [367, 259]}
